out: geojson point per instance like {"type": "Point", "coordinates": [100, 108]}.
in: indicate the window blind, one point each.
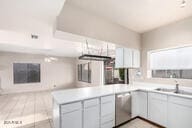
{"type": "Point", "coordinates": [174, 59]}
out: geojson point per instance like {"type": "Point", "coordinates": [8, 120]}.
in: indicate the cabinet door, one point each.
{"type": "Point", "coordinates": [179, 113]}
{"type": "Point", "coordinates": [179, 116]}
{"type": "Point", "coordinates": [139, 104]}
{"type": "Point", "coordinates": [142, 96]}
{"type": "Point", "coordinates": [119, 54]}
{"type": "Point", "coordinates": [91, 117]}
{"type": "Point", "coordinates": [128, 58]}
{"type": "Point", "coordinates": [108, 110]}
{"type": "Point", "coordinates": [136, 58]}
{"type": "Point", "coordinates": [91, 113]}
{"type": "Point", "coordinates": [108, 125]}
{"type": "Point", "coordinates": [72, 119]}
{"type": "Point", "coordinates": [135, 104]}
{"type": "Point", "coordinates": [157, 109]}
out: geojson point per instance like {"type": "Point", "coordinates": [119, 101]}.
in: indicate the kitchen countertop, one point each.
{"type": "Point", "coordinates": [78, 94]}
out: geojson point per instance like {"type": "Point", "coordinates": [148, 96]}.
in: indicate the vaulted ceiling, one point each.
{"type": "Point", "coordinates": [137, 15]}
{"type": "Point", "coordinates": [21, 18]}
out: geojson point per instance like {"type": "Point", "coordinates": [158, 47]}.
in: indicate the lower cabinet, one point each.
{"type": "Point", "coordinates": [179, 112]}
{"type": "Point", "coordinates": [139, 104]}
{"type": "Point", "coordinates": [91, 113]}
{"type": "Point", "coordinates": [109, 124]}
{"type": "Point", "coordinates": [168, 111]}
{"type": "Point", "coordinates": [72, 119]}
{"type": "Point", "coordinates": [71, 115]}
{"type": "Point", "coordinates": [108, 111]}
{"type": "Point", "coordinates": [157, 108]}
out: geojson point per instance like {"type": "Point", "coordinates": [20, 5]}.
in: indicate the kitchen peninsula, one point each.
{"type": "Point", "coordinates": [95, 106]}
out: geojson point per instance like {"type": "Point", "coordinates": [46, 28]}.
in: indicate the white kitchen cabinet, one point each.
{"type": "Point", "coordinates": [108, 111]}
{"type": "Point", "coordinates": [56, 114]}
{"type": "Point", "coordinates": [109, 124]}
{"type": "Point", "coordinates": [71, 115]}
{"type": "Point", "coordinates": [91, 118]}
{"type": "Point", "coordinates": [139, 104]}
{"type": "Point", "coordinates": [136, 59]}
{"type": "Point", "coordinates": [157, 108]}
{"type": "Point", "coordinates": [179, 112]}
{"type": "Point", "coordinates": [127, 58]}
{"type": "Point", "coordinates": [119, 59]}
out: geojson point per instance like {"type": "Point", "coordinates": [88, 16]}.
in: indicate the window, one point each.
{"type": "Point", "coordinates": [171, 63]}
{"type": "Point", "coordinates": [26, 73]}
{"type": "Point", "coordinates": [79, 72]}
{"type": "Point", "coordinates": [113, 75]}
{"type": "Point", "coordinates": [84, 72]}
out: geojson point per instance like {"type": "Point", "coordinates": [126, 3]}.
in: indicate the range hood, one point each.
{"type": "Point", "coordinates": [94, 57]}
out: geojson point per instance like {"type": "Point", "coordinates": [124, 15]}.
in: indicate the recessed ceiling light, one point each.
{"type": "Point", "coordinates": [183, 4]}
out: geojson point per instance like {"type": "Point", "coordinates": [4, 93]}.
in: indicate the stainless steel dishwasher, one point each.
{"type": "Point", "coordinates": [122, 108]}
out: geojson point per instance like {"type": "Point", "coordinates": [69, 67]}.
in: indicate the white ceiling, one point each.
{"type": "Point", "coordinates": [37, 16]}
{"type": "Point", "coordinates": [21, 18]}
{"type": "Point", "coordinates": [137, 15]}
{"type": "Point", "coordinates": [34, 8]}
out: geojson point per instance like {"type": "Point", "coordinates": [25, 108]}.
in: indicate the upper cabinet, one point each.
{"type": "Point", "coordinates": [136, 58]}
{"type": "Point", "coordinates": [119, 58]}
{"type": "Point", "coordinates": [127, 58]}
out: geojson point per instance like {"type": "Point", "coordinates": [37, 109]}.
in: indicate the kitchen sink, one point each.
{"type": "Point", "coordinates": [165, 90]}
{"type": "Point", "coordinates": [184, 92]}
{"type": "Point", "coordinates": [174, 91]}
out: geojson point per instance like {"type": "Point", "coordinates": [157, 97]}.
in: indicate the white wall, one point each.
{"type": "Point", "coordinates": [77, 21]}
{"type": "Point", "coordinates": [61, 73]}
{"type": "Point", "coordinates": [169, 36]}
{"type": "Point", "coordinates": [96, 73]}
{"type": "Point", "coordinates": [32, 16]}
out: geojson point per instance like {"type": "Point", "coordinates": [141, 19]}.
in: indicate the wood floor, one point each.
{"type": "Point", "coordinates": [34, 110]}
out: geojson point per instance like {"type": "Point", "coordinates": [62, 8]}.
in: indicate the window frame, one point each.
{"type": "Point", "coordinates": [81, 72]}
{"type": "Point", "coordinates": [27, 73]}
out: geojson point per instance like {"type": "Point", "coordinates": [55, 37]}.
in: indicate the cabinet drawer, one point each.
{"type": "Point", "coordinates": [72, 119]}
{"type": "Point", "coordinates": [110, 124]}
{"type": "Point", "coordinates": [106, 99]}
{"type": "Point", "coordinates": [91, 117]}
{"type": "Point", "coordinates": [181, 101]}
{"type": "Point", "coordinates": [71, 107]}
{"type": "Point", "coordinates": [107, 108]}
{"type": "Point", "coordinates": [91, 103]}
{"type": "Point", "coordinates": [158, 96]}
{"type": "Point", "coordinates": [107, 118]}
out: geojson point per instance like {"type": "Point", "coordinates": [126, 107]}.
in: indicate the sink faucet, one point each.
{"type": "Point", "coordinates": [176, 87]}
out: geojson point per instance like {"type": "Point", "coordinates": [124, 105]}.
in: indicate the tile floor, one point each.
{"type": "Point", "coordinates": [138, 123]}
{"type": "Point", "coordinates": [34, 110]}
